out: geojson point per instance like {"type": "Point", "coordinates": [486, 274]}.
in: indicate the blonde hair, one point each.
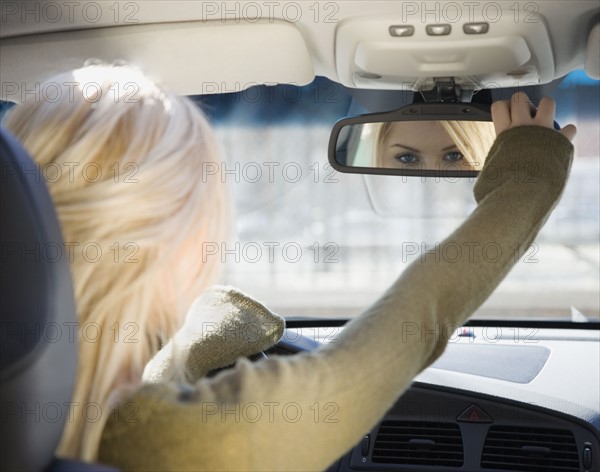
{"type": "Point", "coordinates": [473, 139]}
{"type": "Point", "coordinates": [125, 162]}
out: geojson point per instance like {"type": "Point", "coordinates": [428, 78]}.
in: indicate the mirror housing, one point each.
{"type": "Point", "coordinates": [348, 134]}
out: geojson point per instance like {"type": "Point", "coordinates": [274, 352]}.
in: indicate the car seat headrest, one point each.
{"type": "Point", "coordinates": [38, 330]}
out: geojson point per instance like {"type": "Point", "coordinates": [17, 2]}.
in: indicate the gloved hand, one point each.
{"type": "Point", "coordinates": [222, 325]}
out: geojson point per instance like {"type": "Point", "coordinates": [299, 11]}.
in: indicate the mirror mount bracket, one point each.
{"type": "Point", "coordinates": [445, 90]}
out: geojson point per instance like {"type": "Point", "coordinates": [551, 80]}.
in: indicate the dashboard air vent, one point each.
{"type": "Point", "coordinates": [418, 443]}
{"type": "Point", "coordinates": [530, 449]}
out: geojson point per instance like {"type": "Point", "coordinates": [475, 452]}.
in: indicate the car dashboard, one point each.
{"type": "Point", "coordinates": [499, 398]}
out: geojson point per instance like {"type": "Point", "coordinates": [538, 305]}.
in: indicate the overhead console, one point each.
{"type": "Point", "coordinates": [481, 48]}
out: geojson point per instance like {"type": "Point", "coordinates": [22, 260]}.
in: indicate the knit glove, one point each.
{"type": "Point", "coordinates": [222, 325]}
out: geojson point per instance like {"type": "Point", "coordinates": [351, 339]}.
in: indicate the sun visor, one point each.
{"type": "Point", "coordinates": [189, 57]}
{"type": "Point", "coordinates": [487, 50]}
{"type": "Point", "coordinates": [592, 58]}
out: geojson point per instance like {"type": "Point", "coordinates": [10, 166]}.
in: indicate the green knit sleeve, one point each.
{"type": "Point", "coordinates": [526, 155]}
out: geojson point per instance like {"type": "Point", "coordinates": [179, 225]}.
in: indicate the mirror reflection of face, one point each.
{"type": "Point", "coordinates": [419, 145]}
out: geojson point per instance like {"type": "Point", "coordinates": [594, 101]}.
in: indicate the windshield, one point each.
{"type": "Point", "coordinates": [310, 241]}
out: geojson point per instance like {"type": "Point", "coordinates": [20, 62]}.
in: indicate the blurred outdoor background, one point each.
{"type": "Point", "coordinates": [310, 241]}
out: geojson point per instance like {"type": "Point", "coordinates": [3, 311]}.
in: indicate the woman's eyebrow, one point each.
{"type": "Point", "coordinates": [405, 147]}
{"type": "Point", "coordinates": [454, 146]}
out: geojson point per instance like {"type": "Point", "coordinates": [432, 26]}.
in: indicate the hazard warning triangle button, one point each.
{"type": "Point", "coordinates": [474, 414]}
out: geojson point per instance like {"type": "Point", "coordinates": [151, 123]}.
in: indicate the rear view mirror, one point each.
{"type": "Point", "coordinates": [424, 139]}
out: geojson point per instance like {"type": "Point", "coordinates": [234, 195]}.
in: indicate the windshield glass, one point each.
{"type": "Point", "coordinates": [310, 241]}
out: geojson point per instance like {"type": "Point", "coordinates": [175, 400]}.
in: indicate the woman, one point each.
{"type": "Point", "coordinates": [298, 413]}
{"type": "Point", "coordinates": [124, 163]}
{"type": "Point", "coordinates": [434, 145]}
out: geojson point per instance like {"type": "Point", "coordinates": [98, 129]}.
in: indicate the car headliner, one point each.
{"type": "Point", "coordinates": [215, 47]}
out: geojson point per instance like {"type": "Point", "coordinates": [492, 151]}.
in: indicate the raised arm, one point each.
{"type": "Point", "coordinates": [304, 412]}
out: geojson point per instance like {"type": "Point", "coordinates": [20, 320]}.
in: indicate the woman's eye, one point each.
{"type": "Point", "coordinates": [454, 156]}
{"type": "Point", "coordinates": [407, 158]}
